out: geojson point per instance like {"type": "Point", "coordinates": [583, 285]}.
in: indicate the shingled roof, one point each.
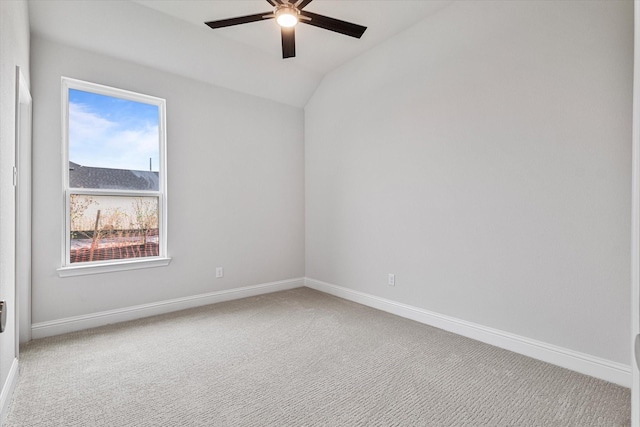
{"type": "Point", "coordinates": [111, 179]}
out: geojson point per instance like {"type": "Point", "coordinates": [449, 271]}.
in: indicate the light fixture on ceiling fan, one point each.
{"type": "Point", "coordinates": [288, 14]}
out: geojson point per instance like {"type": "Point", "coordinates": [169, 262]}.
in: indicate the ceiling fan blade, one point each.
{"type": "Point", "coordinates": [332, 24]}
{"type": "Point", "coordinates": [288, 42]}
{"type": "Point", "coordinates": [274, 2]}
{"type": "Point", "coordinates": [302, 4]}
{"type": "Point", "coordinates": [239, 20]}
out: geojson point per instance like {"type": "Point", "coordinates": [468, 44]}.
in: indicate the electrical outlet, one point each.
{"type": "Point", "coordinates": [392, 280]}
{"type": "Point", "coordinates": [219, 272]}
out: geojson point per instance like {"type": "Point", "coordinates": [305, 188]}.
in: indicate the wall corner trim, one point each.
{"type": "Point", "coordinates": [607, 370]}
{"type": "Point", "coordinates": [7, 391]}
{"type": "Point", "coordinates": [93, 320]}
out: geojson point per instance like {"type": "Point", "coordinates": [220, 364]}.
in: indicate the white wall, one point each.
{"type": "Point", "coordinates": [14, 51]}
{"type": "Point", "coordinates": [233, 170]}
{"type": "Point", "coordinates": [483, 156]}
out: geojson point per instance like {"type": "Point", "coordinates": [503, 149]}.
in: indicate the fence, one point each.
{"type": "Point", "coordinates": [113, 245]}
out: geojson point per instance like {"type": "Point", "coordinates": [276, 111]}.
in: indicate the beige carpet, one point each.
{"type": "Point", "coordinates": [296, 358]}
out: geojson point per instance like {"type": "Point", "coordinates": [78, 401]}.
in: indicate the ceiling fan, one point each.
{"type": "Point", "coordinates": [287, 14]}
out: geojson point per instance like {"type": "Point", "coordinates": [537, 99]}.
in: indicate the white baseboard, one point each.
{"type": "Point", "coordinates": [607, 370]}
{"type": "Point", "coordinates": [580, 362]}
{"type": "Point", "coordinates": [78, 323]}
{"type": "Point", "coordinates": [7, 391]}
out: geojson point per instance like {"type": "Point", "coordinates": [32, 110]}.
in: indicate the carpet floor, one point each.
{"type": "Point", "coordinates": [296, 358]}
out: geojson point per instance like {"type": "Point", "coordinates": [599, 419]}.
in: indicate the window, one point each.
{"type": "Point", "coordinates": [114, 179]}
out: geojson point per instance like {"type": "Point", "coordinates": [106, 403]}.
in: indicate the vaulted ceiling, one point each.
{"type": "Point", "coordinates": [170, 35]}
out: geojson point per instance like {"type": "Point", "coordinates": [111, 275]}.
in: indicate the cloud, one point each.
{"type": "Point", "coordinates": [98, 141]}
{"type": "Point", "coordinates": [85, 124]}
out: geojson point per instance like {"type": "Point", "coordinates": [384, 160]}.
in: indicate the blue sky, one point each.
{"type": "Point", "coordinates": [111, 132]}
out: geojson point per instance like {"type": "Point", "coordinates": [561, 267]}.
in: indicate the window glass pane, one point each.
{"type": "Point", "coordinates": [112, 227]}
{"type": "Point", "coordinates": [114, 143]}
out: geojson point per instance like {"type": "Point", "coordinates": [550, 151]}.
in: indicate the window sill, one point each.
{"type": "Point", "coordinates": [99, 268]}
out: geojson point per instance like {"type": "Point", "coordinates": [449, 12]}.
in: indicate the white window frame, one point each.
{"type": "Point", "coordinates": [94, 267]}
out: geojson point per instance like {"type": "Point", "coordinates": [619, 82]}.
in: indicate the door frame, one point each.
{"type": "Point", "coordinates": [635, 227]}
{"type": "Point", "coordinates": [22, 117]}
{"type": "Point", "coordinates": [23, 211]}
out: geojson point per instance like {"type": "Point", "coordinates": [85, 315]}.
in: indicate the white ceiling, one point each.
{"type": "Point", "coordinates": [316, 49]}
{"type": "Point", "coordinates": [170, 35]}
